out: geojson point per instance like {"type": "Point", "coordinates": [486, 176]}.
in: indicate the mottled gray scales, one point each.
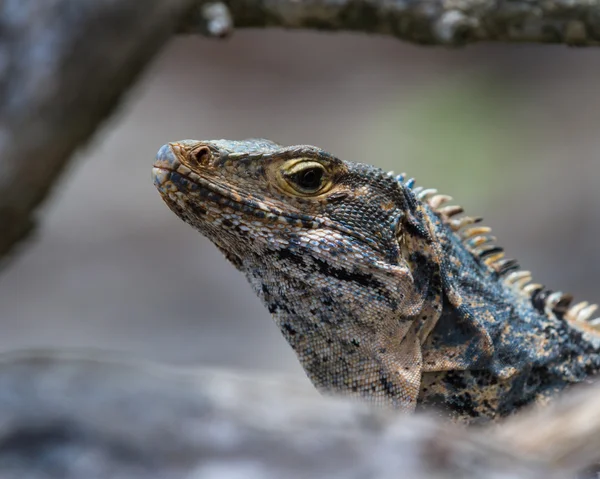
{"type": "Point", "coordinates": [384, 291]}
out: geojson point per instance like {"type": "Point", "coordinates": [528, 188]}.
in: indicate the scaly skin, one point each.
{"type": "Point", "coordinates": [384, 293]}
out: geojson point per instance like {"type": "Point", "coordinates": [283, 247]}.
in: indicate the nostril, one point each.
{"type": "Point", "coordinates": [201, 155]}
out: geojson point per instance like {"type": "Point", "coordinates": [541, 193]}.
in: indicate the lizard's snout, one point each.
{"type": "Point", "coordinates": [166, 161]}
{"type": "Point", "coordinates": [166, 158]}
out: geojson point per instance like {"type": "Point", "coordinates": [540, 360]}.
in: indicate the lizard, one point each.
{"type": "Point", "coordinates": [386, 291]}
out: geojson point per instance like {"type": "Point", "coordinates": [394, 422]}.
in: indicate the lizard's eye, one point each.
{"type": "Point", "coordinates": [306, 177]}
{"type": "Point", "coordinates": [309, 179]}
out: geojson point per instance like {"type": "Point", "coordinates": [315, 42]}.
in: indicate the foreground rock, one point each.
{"type": "Point", "coordinates": [83, 416]}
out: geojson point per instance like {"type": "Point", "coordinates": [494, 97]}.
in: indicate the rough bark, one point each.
{"type": "Point", "coordinates": [73, 416]}
{"type": "Point", "coordinates": [431, 22]}
{"type": "Point", "coordinates": [64, 65]}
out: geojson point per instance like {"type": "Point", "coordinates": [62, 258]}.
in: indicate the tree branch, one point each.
{"type": "Point", "coordinates": [64, 66]}
{"type": "Point", "coordinates": [431, 22]}
{"type": "Point", "coordinates": [69, 416]}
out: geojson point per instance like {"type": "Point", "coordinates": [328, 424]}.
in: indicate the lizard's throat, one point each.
{"type": "Point", "coordinates": [334, 319]}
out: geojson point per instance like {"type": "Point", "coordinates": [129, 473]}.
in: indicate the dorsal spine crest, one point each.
{"type": "Point", "coordinates": [482, 245]}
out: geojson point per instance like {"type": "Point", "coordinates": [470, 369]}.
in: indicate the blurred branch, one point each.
{"type": "Point", "coordinates": [566, 433]}
{"type": "Point", "coordinates": [432, 22]}
{"type": "Point", "coordinates": [65, 64]}
{"type": "Point", "coordinates": [64, 416]}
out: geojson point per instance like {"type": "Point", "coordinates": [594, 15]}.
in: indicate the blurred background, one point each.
{"type": "Point", "coordinates": [511, 132]}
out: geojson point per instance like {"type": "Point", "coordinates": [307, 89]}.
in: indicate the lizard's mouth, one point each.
{"type": "Point", "coordinates": [191, 185]}
{"type": "Point", "coordinates": [169, 180]}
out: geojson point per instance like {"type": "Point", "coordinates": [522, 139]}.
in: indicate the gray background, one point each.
{"type": "Point", "coordinates": [510, 131]}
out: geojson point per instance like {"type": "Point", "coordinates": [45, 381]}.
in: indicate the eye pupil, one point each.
{"type": "Point", "coordinates": [310, 178]}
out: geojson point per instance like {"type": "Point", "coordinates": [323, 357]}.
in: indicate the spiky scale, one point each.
{"type": "Point", "coordinates": [586, 313]}
{"type": "Point", "coordinates": [573, 312]}
{"type": "Point", "coordinates": [450, 211]}
{"type": "Point", "coordinates": [426, 193]}
{"type": "Point", "coordinates": [438, 200]}
{"type": "Point", "coordinates": [458, 223]}
{"type": "Point", "coordinates": [505, 266]}
{"type": "Point", "coordinates": [479, 240]}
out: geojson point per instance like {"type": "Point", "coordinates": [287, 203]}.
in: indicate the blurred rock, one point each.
{"type": "Point", "coordinates": [81, 416]}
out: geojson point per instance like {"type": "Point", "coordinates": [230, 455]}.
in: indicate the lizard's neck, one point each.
{"type": "Point", "coordinates": [506, 351]}
{"type": "Point", "coordinates": [343, 324]}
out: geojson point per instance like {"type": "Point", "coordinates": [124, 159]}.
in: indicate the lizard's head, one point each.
{"type": "Point", "coordinates": [247, 196]}
{"type": "Point", "coordinates": [331, 248]}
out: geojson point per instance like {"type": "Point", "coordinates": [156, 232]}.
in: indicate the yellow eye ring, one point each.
{"type": "Point", "coordinates": [305, 178]}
